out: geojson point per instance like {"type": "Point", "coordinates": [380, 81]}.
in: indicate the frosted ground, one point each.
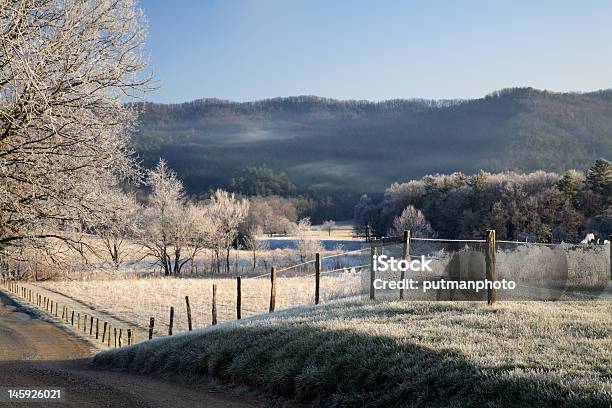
{"type": "Point", "coordinates": [387, 354]}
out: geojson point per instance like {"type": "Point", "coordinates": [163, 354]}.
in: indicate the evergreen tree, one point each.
{"type": "Point", "coordinates": [599, 177]}
{"type": "Point", "coordinates": [568, 185]}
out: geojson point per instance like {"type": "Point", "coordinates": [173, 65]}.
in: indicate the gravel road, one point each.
{"type": "Point", "coordinates": [36, 353]}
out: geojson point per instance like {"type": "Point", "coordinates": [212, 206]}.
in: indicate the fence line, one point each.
{"type": "Point", "coordinates": [482, 241]}
{"type": "Point", "coordinates": [44, 302]}
{"type": "Point", "coordinates": [345, 253]}
{"type": "Point", "coordinates": [50, 306]}
{"type": "Point", "coordinates": [561, 244]}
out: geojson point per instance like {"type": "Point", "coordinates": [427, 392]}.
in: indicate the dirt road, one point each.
{"type": "Point", "coordinates": [35, 353]}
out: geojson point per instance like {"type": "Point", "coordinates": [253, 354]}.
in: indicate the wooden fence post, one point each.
{"type": "Point", "coordinates": [64, 313]}
{"type": "Point", "coordinates": [115, 336]}
{"type": "Point", "coordinates": [491, 274]}
{"type": "Point", "coordinates": [129, 336]}
{"type": "Point", "coordinates": [188, 313]}
{"type": "Point", "coordinates": [405, 256]}
{"type": "Point", "coordinates": [171, 321]}
{"type": "Point", "coordinates": [120, 337]}
{"type": "Point", "coordinates": [372, 272]}
{"type": "Point", "coordinates": [214, 304]}
{"type": "Point", "coordinates": [104, 332]}
{"type": "Point", "coordinates": [317, 277]}
{"type": "Point", "coordinates": [151, 326]}
{"type": "Point", "coordinates": [272, 289]}
{"type": "Point", "coordinates": [84, 323]}
{"type": "Point", "coordinates": [90, 325]}
{"type": "Point", "coordinates": [97, 328]}
{"type": "Point", "coordinates": [72, 318]}
{"type": "Point", "coordinates": [108, 339]}
{"type": "Point", "coordinates": [238, 298]}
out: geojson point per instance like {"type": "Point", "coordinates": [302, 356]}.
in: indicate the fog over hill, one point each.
{"type": "Point", "coordinates": [362, 146]}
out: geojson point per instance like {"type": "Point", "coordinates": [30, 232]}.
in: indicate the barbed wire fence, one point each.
{"type": "Point", "coordinates": [541, 271]}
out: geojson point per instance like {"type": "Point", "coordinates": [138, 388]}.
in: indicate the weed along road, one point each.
{"type": "Point", "coordinates": [35, 353]}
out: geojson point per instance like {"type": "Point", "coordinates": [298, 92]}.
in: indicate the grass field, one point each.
{"type": "Point", "coordinates": [388, 354]}
{"type": "Point", "coordinates": [134, 301]}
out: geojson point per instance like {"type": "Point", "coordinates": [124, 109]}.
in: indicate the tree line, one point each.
{"type": "Point", "coordinates": [538, 206]}
{"type": "Point", "coordinates": [174, 229]}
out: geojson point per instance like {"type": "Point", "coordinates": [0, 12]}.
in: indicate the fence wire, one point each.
{"type": "Point", "coordinates": [539, 271]}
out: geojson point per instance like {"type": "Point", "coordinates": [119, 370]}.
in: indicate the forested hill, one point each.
{"type": "Point", "coordinates": [363, 146]}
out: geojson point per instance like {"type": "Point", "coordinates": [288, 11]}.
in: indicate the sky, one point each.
{"type": "Point", "coordinates": [246, 50]}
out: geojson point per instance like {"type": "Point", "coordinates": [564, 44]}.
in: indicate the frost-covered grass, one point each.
{"type": "Point", "coordinates": [136, 300]}
{"type": "Point", "coordinates": [386, 354]}
{"type": "Point", "coordinates": [541, 271]}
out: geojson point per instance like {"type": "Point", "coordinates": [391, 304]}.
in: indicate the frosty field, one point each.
{"type": "Point", "coordinates": [391, 354]}
{"type": "Point", "coordinates": [134, 301]}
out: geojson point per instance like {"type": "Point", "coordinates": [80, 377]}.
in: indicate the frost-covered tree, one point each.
{"type": "Point", "coordinates": [273, 214]}
{"type": "Point", "coordinates": [365, 215]}
{"type": "Point", "coordinates": [307, 246]}
{"type": "Point", "coordinates": [119, 227]}
{"type": "Point", "coordinates": [329, 226]}
{"type": "Point", "coordinates": [229, 212]}
{"type": "Point", "coordinates": [173, 230]}
{"type": "Point", "coordinates": [412, 220]}
{"type": "Point", "coordinates": [66, 69]}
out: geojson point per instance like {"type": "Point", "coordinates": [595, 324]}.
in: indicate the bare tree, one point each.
{"type": "Point", "coordinates": [306, 245]}
{"type": "Point", "coordinates": [255, 245]}
{"type": "Point", "coordinates": [119, 227]}
{"type": "Point", "coordinates": [173, 230]}
{"type": "Point", "coordinates": [272, 214]}
{"type": "Point", "coordinates": [329, 226]}
{"type": "Point", "coordinates": [229, 212]}
{"type": "Point", "coordinates": [204, 229]}
{"type": "Point", "coordinates": [66, 69]}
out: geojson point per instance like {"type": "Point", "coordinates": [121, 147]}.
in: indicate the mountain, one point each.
{"type": "Point", "coordinates": [362, 146]}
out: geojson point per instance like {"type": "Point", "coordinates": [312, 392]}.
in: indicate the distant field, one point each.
{"type": "Point", "coordinates": [342, 230]}
{"type": "Point", "coordinates": [391, 354]}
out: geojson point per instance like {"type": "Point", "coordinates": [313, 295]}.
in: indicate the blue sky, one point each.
{"type": "Point", "coordinates": [254, 49]}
